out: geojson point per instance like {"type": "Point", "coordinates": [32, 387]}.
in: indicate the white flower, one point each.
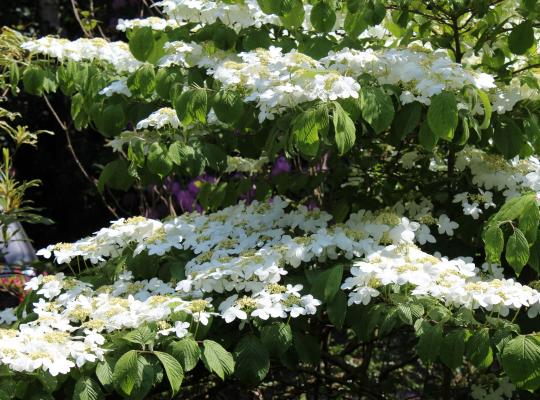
{"type": "Point", "coordinates": [446, 226]}
{"type": "Point", "coordinates": [472, 209]}
{"type": "Point", "coordinates": [423, 235]}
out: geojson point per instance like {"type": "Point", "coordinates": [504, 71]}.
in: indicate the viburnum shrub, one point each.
{"type": "Point", "coordinates": [353, 193]}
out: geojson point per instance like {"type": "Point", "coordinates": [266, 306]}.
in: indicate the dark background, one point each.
{"type": "Point", "coordinates": [65, 195]}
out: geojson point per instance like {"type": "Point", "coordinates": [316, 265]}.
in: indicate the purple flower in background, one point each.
{"type": "Point", "coordinates": [249, 196]}
{"type": "Point", "coordinates": [323, 165]}
{"type": "Point", "coordinates": [195, 185]}
{"type": "Point", "coordinates": [281, 165]}
{"type": "Point", "coordinates": [185, 199]}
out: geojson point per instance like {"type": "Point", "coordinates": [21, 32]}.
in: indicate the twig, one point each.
{"type": "Point", "coordinates": [78, 18]}
{"type": "Point", "coordinates": [75, 158]}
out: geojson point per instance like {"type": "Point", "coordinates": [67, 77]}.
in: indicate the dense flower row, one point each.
{"type": "Point", "coordinates": [116, 54]}
{"type": "Point", "coordinates": [276, 81]}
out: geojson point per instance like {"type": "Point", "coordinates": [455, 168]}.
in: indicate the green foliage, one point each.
{"type": "Point", "coordinates": [217, 359]}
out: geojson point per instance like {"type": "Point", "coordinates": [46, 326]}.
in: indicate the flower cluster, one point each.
{"type": "Point", "coordinates": [164, 117]}
{"type": "Point", "coordinates": [116, 54]}
{"type": "Point", "coordinates": [156, 23]}
{"type": "Point", "coordinates": [277, 81]}
{"type": "Point", "coordinates": [454, 282]}
{"type": "Point", "coordinates": [421, 73]}
{"type": "Point", "coordinates": [492, 171]}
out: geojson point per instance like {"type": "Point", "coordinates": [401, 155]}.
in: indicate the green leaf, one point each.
{"type": "Point", "coordinates": [305, 130]}
{"type": "Point", "coordinates": [521, 38]}
{"type": "Point", "coordinates": [326, 283]}
{"type": "Point", "coordinates": [104, 371]}
{"type": "Point", "coordinates": [33, 80]}
{"type": "Point", "coordinates": [377, 108]}
{"type": "Point", "coordinates": [513, 208]}
{"type": "Point", "coordinates": [409, 313]}
{"type": "Point", "coordinates": [87, 389]}
{"type": "Point", "coordinates": [494, 243]}
{"type": "Point", "coordinates": [252, 361]}
{"type": "Point", "coordinates": [429, 343]}
{"type": "Point", "coordinates": [115, 175]}
{"type": "Point", "coordinates": [292, 16]}
{"type": "Point", "coordinates": [143, 81]}
{"type": "Point", "coordinates": [141, 43]}
{"type": "Point", "coordinates": [478, 349]}
{"type": "Point", "coordinates": [228, 106]}
{"type": "Point", "coordinates": [277, 337]}
{"type": "Point", "coordinates": [426, 137]}
{"type": "Point", "coordinates": [337, 309]}
{"type": "Point", "coordinates": [344, 129]}
{"type": "Point", "coordinates": [158, 161]}
{"type": "Point", "coordinates": [308, 348]}
{"type": "Point", "coordinates": [529, 220]}
{"type": "Point", "coordinates": [406, 120]}
{"type": "Point", "coordinates": [487, 109]}
{"type": "Point", "coordinates": [111, 120]}
{"type": "Point", "coordinates": [354, 23]}
{"type": "Point", "coordinates": [508, 138]}
{"type": "Point", "coordinates": [453, 348]}
{"type": "Point", "coordinates": [520, 359]}
{"type": "Point", "coordinates": [125, 375]}
{"type": "Point", "coordinates": [142, 335]}
{"type": "Point", "coordinates": [165, 80]}
{"type": "Point", "coordinates": [186, 351]}
{"type": "Point", "coordinates": [173, 369]}
{"type": "Point", "coordinates": [217, 359]}
{"type": "Point", "coordinates": [517, 251]}
{"type": "Point", "coordinates": [192, 106]}
{"type": "Point", "coordinates": [322, 16]}
{"type": "Point", "coordinates": [442, 115]}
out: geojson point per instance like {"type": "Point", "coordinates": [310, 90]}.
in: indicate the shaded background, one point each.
{"type": "Point", "coordinates": [65, 195]}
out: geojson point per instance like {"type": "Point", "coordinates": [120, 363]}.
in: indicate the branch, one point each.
{"type": "Point", "coordinates": [78, 18]}
{"type": "Point", "coordinates": [75, 158]}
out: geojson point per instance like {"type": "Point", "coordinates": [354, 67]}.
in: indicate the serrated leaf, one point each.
{"type": "Point", "coordinates": [33, 80]}
{"type": "Point", "coordinates": [494, 244]}
{"type": "Point", "coordinates": [104, 371]}
{"type": "Point", "coordinates": [426, 137]}
{"type": "Point", "coordinates": [377, 108]}
{"type": "Point", "coordinates": [326, 283]}
{"type": "Point", "coordinates": [192, 106]}
{"type": "Point", "coordinates": [520, 359]}
{"type": "Point", "coordinates": [252, 361]}
{"type": "Point", "coordinates": [141, 43]}
{"type": "Point", "coordinates": [87, 389]}
{"type": "Point", "coordinates": [529, 220]}
{"type": "Point", "coordinates": [217, 359]}
{"type": "Point", "coordinates": [125, 375]}
{"type": "Point", "coordinates": [442, 115]}
{"type": "Point", "coordinates": [186, 351]}
{"type": "Point", "coordinates": [478, 349]}
{"type": "Point", "coordinates": [344, 129]}
{"type": "Point", "coordinates": [517, 251]}
{"type": "Point", "coordinates": [430, 341]}
{"type": "Point", "coordinates": [453, 348]}
{"type": "Point", "coordinates": [228, 106]}
{"type": "Point", "coordinates": [158, 161]}
{"type": "Point", "coordinates": [406, 120]}
{"type": "Point", "coordinates": [409, 313]}
{"type": "Point", "coordinates": [322, 16]}
{"type": "Point", "coordinates": [277, 338]}
{"type": "Point", "coordinates": [115, 175]}
{"type": "Point", "coordinates": [305, 130]}
{"type": "Point", "coordinates": [173, 370]}
{"type": "Point", "coordinates": [142, 335]}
